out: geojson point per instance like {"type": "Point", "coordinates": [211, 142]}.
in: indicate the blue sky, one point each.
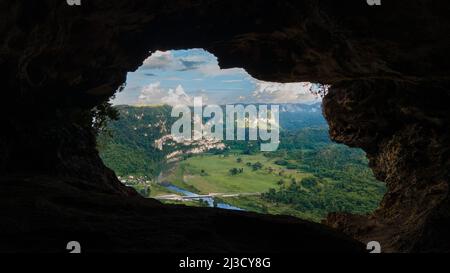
{"type": "Point", "coordinates": [176, 76]}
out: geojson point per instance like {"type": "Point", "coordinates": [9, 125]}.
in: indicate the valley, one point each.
{"type": "Point", "coordinates": [307, 177]}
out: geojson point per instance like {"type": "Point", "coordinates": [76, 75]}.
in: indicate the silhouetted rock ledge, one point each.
{"type": "Point", "coordinates": [42, 215]}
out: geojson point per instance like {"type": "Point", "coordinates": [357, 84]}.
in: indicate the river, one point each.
{"type": "Point", "coordinates": [209, 200]}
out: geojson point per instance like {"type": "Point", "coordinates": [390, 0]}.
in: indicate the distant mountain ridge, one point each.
{"type": "Point", "coordinates": [300, 107]}
{"type": "Point", "coordinates": [299, 116]}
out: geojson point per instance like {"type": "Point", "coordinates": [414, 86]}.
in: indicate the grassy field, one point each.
{"type": "Point", "coordinates": [211, 174]}
{"type": "Point", "coordinates": [208, 173]}
{"type": "Point", "coordinates": [156, 190]}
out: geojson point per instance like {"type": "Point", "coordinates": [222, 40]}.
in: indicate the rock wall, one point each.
{"type": "Point", "coordinates": [403, 127]}
{"type": "Point", "coordinates": [389, 67]}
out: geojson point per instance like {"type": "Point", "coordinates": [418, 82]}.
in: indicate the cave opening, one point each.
{"type": "Point", "coordinates": [388, 97]}
{"type": "Point", "coordinates": [308, 176]}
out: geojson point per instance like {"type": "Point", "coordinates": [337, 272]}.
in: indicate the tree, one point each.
{"type": "Point", "coordinates": [281, 162]}
{"type": "Point", "coordinates": [233, 171]}
{"type": "Point", "coordinates": [101, 115]}
{"type": "Point", "coordinates": [298, 155]}
{"type": "Point", "coordinates": [257, 166]}
{"type": "Point", "coordinates": [309, 182]}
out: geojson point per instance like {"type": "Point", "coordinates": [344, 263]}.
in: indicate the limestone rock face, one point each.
{"type": "Point", "coordinates": [389, 67]}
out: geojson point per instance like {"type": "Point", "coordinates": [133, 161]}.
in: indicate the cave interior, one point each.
{"type": "Point", "coordinates": [388, 66]}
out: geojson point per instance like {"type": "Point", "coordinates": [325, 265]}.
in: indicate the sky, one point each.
{"type": "Point", "coordinates": [177, 76]}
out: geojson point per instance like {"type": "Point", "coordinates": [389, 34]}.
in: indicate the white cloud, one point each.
{"type": "Point", "coordinates": [154, 94]}
{"type": "Point", "coordinates": [160, 60]}
{"type": "Point", "coordinates": [214, 70]}
{"type": "Point", "coordinates": [271, 92]}
{"type": "Point", "coordinates": [205, 78]}
{"type": "Point", "coordinates": [205, 64]}
{"type": "Point", "coordinates": [177, 96]}
{"type": "Point", "coordinates": [150, 93]}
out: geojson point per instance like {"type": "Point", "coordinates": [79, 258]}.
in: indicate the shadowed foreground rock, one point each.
{"type": "Point", "coordinates": [46, 214]}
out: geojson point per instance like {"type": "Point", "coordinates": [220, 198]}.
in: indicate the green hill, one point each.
{"type": "Point", "coordinates": [309, 176]}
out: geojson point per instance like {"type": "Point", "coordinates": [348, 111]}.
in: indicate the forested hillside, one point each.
{"type": "Point", "coordinates": [128, 144]}
{"type": "Point", "coordinates": [309, 176]}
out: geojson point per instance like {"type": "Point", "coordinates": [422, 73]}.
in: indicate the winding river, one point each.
{"type": "Point", "coordinates": [209, 200]}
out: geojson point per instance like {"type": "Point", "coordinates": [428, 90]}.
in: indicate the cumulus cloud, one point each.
{"type": "Point", "coordinates": [166, 60]}
{"type": "Point", "coordinates": [154, 94]}
{"type": "Point", "coordinates": [271, 92]}
{"type": "Point", "coordinates": [177, 96]}
{"type": "Point", "coordinates": [161, 80]}
{"type": "Point", "coordinates": [199, 61]}
{"type": "Point", "coordinates": [160, 60]}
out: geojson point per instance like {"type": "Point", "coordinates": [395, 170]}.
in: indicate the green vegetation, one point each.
{"type": "Point", "coordinates": [128, 144]}
{"type": "Point", "coordinates": [258, 204]}
{"type": "Point", "coordinates": [277, 189]}
{"type": "Point", "coordinates": [188, 174]}
{"type": "Point", "coordinates": [309, 176]}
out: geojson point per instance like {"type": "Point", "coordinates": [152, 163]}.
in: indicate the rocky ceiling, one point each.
{"type": "Point", "coordinates": [389, 66]}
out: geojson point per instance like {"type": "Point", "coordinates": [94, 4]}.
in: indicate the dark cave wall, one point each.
{"type": "Point", "coordinates": [404, 128]}
{"type": "Point", "coordinates": [389, 66]}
